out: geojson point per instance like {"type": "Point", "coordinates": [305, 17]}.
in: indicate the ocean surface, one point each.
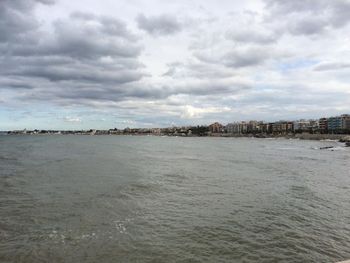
{"type": "Point", "coordinates": [167, 199]}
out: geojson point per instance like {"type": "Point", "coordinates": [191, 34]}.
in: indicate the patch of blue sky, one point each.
{"type": "Point", "coordinates": [296, 64]}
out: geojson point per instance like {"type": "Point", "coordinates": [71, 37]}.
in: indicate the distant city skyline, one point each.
{"type": "Point", "coordinates": [326, 123]}
{"type": "Point", "coordinates": [104, 64]}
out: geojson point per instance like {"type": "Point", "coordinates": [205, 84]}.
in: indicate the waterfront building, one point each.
{"type": "Point", "coordinates": [345, 122]}
{"type": "Point", "coordinates": [229, 128]}
{"type": "Point", "coordinates": [282, 127]}
{"type": "Point", "coordinates": [199, 130]}
{"type": "Point", "coordinates": [253, 127]}
{"type": "Point", "coordinates": [301, 125]}
{"type": "Point", "coordinates": [233, 128]}
{"type": "Point", "coordinates": [306, 126]}
{"type": "Point", "coordinates": [314, 125]}
{"type": "Point", "coordinates": [216, 127]}
{"type": "Point", "coordinates": [237, 128]}
{"type": "Point", "coordinates": [244, 127]}
{"type": "Point", "coordinates": [334, 124]}
{"type": "Point", "coordinates": [156, 131]}
{"type": "Point", "coordinates": [266, 128]}
{"type": "Point", "coordinates": [323, 125]}
{"type": "Point", "coordinates": [277, 127]}
{"type": "Point", "coordinates": [259, 127]}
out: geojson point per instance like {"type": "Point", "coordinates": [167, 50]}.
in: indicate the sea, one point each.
{"type": "Point", "coordinates": [108, 199]}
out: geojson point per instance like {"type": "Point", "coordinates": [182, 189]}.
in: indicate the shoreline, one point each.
{"type": "Point", "coordinates": [314, 137]}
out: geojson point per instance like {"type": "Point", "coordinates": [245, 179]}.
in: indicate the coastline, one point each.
{"type": "Point", "coordinates": [300, 136]}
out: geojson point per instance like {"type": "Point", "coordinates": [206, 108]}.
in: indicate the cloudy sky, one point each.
{"type": "Point", "coordinates": [102, 64]}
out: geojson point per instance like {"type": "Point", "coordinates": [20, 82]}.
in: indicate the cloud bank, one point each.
{"type": "Point", "coordinates": [176, 63]}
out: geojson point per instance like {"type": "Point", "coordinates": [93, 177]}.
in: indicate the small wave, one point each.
{"type": "Point", "coordinates": [304, 158]}
{"type": "Point", "coordinates": [174, 177]}
{"type": "Point", "coordinates": [6, 158]}
{"type": "Point", "coordinates": [63, 237]}
{"type": "Point", "coordinates": [287, 148]}
{"type": "Point", "coordinates": [58, 237]}
{"type": "Point", "coordinates": [120, 226]}
{"type": "Point", "coordinates": [338, 149]}
{"type": "Point", "coordinates": [88, 236]}
{"type": "Point", "coordinates": [136, 189]}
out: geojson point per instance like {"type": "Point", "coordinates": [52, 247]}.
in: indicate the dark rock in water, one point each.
{"type": "Point", "coordinates": [347, 144]}
{"type": "Point", "coordinates": [326, 147]}
{"type": "Point", "coordinates": [345, 139]}
{"type": "Point", "coordinates": [260, 136]}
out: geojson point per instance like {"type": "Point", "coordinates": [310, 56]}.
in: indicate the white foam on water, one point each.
{"type": "Point", "coordinates": [120, 226]}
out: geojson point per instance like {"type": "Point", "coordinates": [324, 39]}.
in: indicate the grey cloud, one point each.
{"type": "Point", "coordinates": [251, 36]}
{"type": "Point", "coordinates": [197, 70]}
{"type": "Point", "coordinates": [308, 26]}
{"type": "Point", "coordinates": [90, 59]}
{"type": "Point", "coordinates": [296, 6]}
{"type": "Point", "coordinates": [9, 83]}
{"type": "Point", "coordinates": [206, 88]}
{"type": "Point", "coordinates": [16, 19]}
{"type": "Point", "coordinates": [170, 72]}
{"type": "Point", "coordinates": [308, 17]}
{"type": "Point", "coordinates": [238, 58]}
{"type": "Point", "coordinates": [76, 38]}
{"type": "Point", "coordinates": [19, 86]}
{"type": "Point", "coordinates": [332, 66]}
{"type": "Point", "coordinates": [58, 68]}
{"type": "Point", "coordinates": [105, 24]}
{"type": "Point", "coordinates": [46, 2]}
{"type": "Point", "coordinates": [78, 93]}
{"type": "Point", "coordinates": [87, 57]}
{"type": "Point", "coordinates": [53, 73]}
{"type": "Point", "coordinates": [23, 5]}
{"type": "Point", "coordinates": [173, 68]}
{"type": "Point", "coordinates": [341, 13]}
{"type": "Point", "coordinates": [159, 25]}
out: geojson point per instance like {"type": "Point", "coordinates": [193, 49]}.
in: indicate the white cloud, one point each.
{"type": "Point", "coordinates": [72, 119]}
{"type": "Point", "coordinates": [190, 112]}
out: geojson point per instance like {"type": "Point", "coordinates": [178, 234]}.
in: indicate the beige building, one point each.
{"type": "Point", "coordinates": [216, 127]}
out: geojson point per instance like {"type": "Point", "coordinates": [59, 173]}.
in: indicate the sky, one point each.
{"type": "Point", "coordinates": [130, 63]}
